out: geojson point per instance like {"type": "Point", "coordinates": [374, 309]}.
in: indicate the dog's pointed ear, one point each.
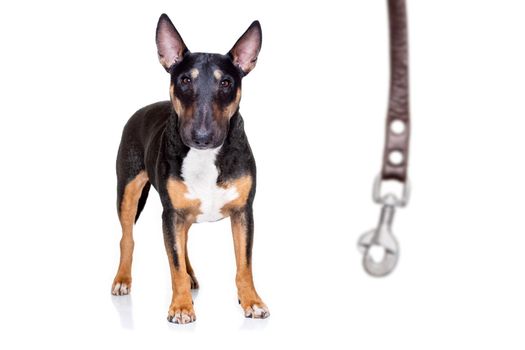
{"type": "Point", "coordinates": [245, 51]}
{"type": "Point", "coordinates": [170, 46]}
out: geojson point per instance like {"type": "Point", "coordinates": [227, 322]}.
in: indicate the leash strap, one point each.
{"type": "Point", "coordinates": [395, 153]}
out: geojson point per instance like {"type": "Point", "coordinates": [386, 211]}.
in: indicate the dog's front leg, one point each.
{"type": "Point", "coordinates": [242, 229]}
{"type": "Point", "coordinates": [175, 229]}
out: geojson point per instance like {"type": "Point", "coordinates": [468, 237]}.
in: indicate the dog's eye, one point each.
{"type": "Point", "coordinates": [226, 83]}
{"type": "Point", "coordinates": [185, 80]}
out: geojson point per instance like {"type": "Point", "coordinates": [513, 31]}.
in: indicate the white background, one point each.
{"type": "Point", "coordinates": [72, 73]}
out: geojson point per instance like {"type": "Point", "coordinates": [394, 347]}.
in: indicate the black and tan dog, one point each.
{"type": "Point", "coordinates": [194, 151]}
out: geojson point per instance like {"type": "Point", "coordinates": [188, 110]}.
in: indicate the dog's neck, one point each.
{"type": "Point", "coordinates": [234, 149]}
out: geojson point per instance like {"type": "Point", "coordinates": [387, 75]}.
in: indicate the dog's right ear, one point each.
{"type": "Point", "coordinates": [170, 46]}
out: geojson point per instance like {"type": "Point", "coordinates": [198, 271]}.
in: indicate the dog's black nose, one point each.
{"type": "Point", "coordinates": [201, 138]}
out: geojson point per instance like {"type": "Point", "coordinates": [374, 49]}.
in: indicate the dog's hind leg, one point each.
{"type": "Point", "coordinates": [189, 269]}
{"type": "Point", "coordinates": [131, 196]}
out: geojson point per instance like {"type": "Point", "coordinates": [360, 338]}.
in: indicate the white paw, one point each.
{"type": "Point", "coordinates": [256, 311]}
{"type": "Point", "coordinates": [182, 317]}
{"type": "Point", "coordinates": [120, 289]}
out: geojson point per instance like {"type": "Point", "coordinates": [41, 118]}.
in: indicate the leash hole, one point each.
{"type": "Point", "coordinates": [377, 253]}
{"type": "Point", "coordinates": [396, 157]}
{"type": "Point", "coordinates": [397, 126]}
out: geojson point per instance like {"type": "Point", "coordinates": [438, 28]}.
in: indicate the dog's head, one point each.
{"type": "Point", "coordinates": [205, 88]}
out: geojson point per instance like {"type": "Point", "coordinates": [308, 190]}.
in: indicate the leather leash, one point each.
{"type": "Point", "coordinates": [395, 153]}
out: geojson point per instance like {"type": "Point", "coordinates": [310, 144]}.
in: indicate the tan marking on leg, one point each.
{"type": "Point", "coordinates": [181, 308]}
{"type": "Point", "coordinates": [250, 301]}
{"type": "Point", "coordinates": [177, 191]}
{"type": "Point", "coordinates": [243, 185]}
{"type": "Point", "coordinates": [128, 211]}
{"type": "Point", "coordinates": [218, 74]}
{"type": "Point", "coordinates": [183, 279]}
{"type": "Point", "coordinates": [194, 73]}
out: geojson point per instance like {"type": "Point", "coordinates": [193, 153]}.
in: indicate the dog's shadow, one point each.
{"type": "Point", "coordinates": [124, 306]}
{"type": "Point", "coordinates": [250, 324]}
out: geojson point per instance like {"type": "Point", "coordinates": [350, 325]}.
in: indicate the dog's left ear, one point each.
{"type": "Point", "coordinates": [245, 51]}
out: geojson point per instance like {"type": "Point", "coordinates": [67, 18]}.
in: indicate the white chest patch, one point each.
{"type": "Point", "coordinates": [200, 173]}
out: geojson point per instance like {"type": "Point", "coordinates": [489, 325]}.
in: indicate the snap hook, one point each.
{"type": "Point", "coordinates": [381, 237]}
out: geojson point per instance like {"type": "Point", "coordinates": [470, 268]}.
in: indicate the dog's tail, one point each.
{"type": "Point", "coordinates": [142, 200]}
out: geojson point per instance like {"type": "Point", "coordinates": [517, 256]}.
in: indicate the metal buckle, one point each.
{"type": "Point", "coordinates": [382, 236]}
{"type": "Point", "coordinates": [390, 198]}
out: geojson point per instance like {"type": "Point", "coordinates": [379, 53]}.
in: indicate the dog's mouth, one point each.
{"type": "Point", "coordinates": [202, 147]}
{"type": "Point", "coordinates": [201, 142]}
{"type": "Point", "coordinates": [201, 136]}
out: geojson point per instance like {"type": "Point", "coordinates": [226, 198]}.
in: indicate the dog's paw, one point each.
{"type": "Point", "coordinates": [181, 314]}
{"type": "Point", "coordinates": [121, 287]}
{"type": "Point", "coordinates": [255, 310]}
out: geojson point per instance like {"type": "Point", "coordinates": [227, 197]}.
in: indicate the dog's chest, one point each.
{"type": "Point", "coordinates": [200, 174]}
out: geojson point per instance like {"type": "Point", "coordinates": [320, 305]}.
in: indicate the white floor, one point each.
{"type": "Point", "coordinates": [72, 74]}
{"type": "Point", "coordinates": [446, 292]}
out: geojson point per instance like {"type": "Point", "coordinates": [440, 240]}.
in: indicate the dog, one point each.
{"type": "Point", "coordinates": [195, 153]}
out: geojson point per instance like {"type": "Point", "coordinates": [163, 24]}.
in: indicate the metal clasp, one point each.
{"type": "Point", "coordinates": [382, 237]}
{"type": "Point", "coordinates": [390, 198]}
